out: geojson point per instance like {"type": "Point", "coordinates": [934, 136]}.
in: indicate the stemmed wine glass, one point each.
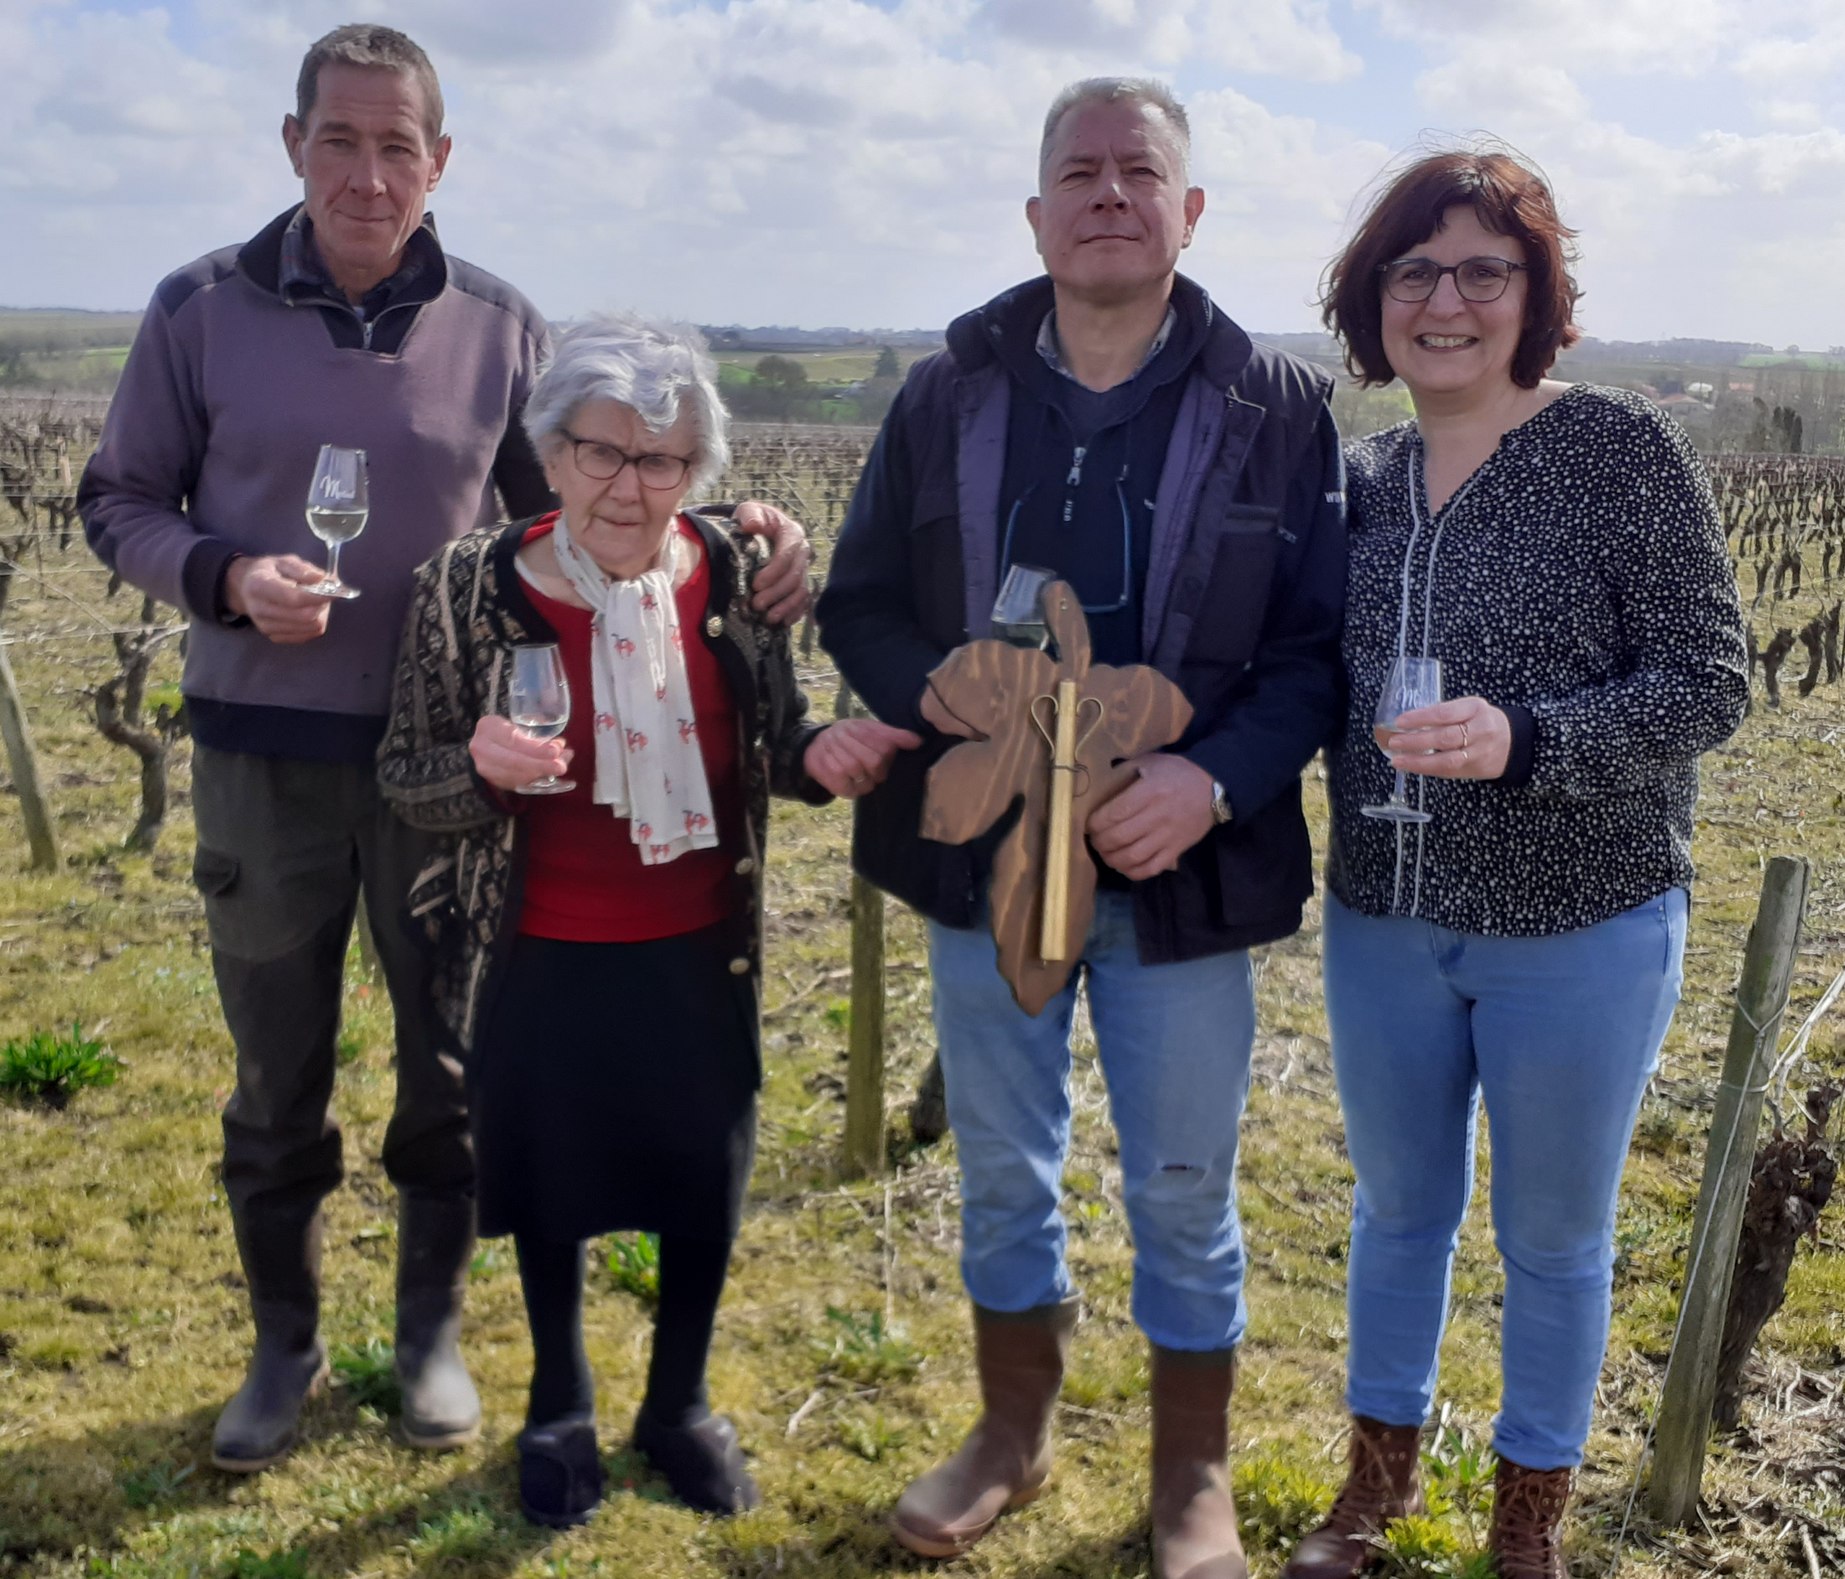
{"type": "Point", "coordinates": [538, 701]}
{"type": "Point", "coordinates": [338, 501]}
{"type": "Point", "coordinates": [1018, 611]}
{"type": "Point", "coordinates": [1411, 683]}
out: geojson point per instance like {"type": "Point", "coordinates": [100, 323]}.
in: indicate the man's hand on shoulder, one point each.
{"type": "Point", "coordinates": [779, 592]}
{"type": "Point", "coordinates": [1146, 828]}
{"type": "Point", "coordinates": [271, 590]}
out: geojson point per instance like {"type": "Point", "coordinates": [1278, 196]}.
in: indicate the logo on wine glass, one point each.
{"type": "Point", "coordinates": [337, 504]}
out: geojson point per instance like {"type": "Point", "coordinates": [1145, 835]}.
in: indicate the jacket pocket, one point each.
{"type": "Point", "coordinates": [936, 568]}
{"type": "Point", "coordinates": [1226, 622]}
{"type": "Point", "coordinates": [214, 872]}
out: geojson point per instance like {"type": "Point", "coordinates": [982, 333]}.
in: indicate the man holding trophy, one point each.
{"type": "Point", "coordinates": [1183, 489]}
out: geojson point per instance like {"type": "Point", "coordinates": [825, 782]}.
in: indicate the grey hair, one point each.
{"type": "Point", "coordinates": [656, 369]}
{"type": "Point", "coordinates": [1116, 90]}
{"type": "Point", "coordinates": [378, 49]}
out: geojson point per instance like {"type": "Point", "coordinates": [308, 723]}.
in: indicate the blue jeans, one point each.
{"type": "Point", "coordinates": [1174, 1042]}
{"type": "Point", "coordinates": [1559, 1035]}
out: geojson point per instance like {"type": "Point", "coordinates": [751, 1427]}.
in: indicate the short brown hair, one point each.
{"type": "Point", "coordinates": [1509, 199]}
{"type": "Point", "coordinates": [376, 48]}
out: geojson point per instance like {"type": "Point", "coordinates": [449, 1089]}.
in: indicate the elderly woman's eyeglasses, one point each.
{"type": "Point", "coordinates": [1477, 279]}
{"type": "Point", "coordinates": [604, 463]}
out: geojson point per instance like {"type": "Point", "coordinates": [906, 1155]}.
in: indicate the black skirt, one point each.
{"type": "Point", "coordinates": [614, 1088]}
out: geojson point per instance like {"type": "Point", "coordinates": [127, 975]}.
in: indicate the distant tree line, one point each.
{"type": "Point", "coordinates": [778, 389]}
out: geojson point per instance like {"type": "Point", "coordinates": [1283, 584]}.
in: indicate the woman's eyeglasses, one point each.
{"type": "Point", "coordinates": [604, 463]}
{"type": "Point", "coordinates": [1477, 279]}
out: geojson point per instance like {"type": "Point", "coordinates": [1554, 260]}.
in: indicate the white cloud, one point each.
{"type": "Point", "coordinates": [838, 161]}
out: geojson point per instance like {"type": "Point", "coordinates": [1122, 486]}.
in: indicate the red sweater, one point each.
{"type": "Point", "coordinates": [584, 881]}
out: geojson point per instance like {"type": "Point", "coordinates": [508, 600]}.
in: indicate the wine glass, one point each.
{"type": "Point", "coordinates": [1411, 683]}
{"type": "Point", "coordinates": [1018, 611]}
{"type": "Point", "coordinates": [338, 501]}
{"type": "Point", "coordinates": [538, 701]}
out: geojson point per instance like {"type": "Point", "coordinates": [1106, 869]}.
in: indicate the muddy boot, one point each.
{"type": "Point", "coordinates": [1383, 1483]}
{"type": "Point", "coordinates": [1527, 1539]}
{"type": "Point", "coordinates": [1194, 1517]}
{"type": "Point", "coordinates": [1006, 1458]}
{"type": "Point", "coordinates": [280, 1249]}
{"type": "Point", "coordinates": [435, 1241]}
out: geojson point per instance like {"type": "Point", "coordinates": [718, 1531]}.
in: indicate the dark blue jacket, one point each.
{"type": "Point", "coordinates": [1244, 594]}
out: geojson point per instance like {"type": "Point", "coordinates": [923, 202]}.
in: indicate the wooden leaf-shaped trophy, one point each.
{"type": "Point", "coordinates": [1058, 733]}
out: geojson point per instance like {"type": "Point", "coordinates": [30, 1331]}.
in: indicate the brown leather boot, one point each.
{"type": "Point", "coordinates": [1527, 1540]}
{"type": "Point", "coordinates": [1194, 1516]}
{"type": "Point", "coordinates": [1006, 1458]}
{"type": "Point", "coordinates": [1383, 1483]}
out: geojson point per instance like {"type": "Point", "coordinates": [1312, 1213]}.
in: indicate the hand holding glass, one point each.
{"type": "Point", "coordinates": [339, 499]}
{"type": "Point", "coordinates": [538, 701]}
{"type": "Point", "coordinates": [1411, 683]}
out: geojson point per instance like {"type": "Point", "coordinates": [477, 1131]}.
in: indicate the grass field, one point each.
{"type": "Point", "coordinates": [842, 1347]}
{"type": "Point", "coordinates": [823, 367]}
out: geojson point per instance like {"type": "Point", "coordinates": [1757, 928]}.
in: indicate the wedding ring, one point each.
{"type": "Point", "coordinates": [1463, 735]}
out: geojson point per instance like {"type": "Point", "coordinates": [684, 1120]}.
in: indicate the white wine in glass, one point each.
{"type": "Point", "coordinates": [1411, 683]}
{"type": "Point", "coordinates": [538, 701]}
{"type": "Point", "coordinates": [339, 498]}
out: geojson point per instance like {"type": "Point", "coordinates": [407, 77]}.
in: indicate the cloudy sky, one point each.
{"type": "Point", "coordinates": [865, 162]}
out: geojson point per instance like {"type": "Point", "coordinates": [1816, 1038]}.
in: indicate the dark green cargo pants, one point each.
{"type": "Point", "coordinates": [285, 848]}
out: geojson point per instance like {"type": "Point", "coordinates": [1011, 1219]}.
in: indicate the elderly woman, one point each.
{"type": "Point", "coordinates": [1508, 874]}
{"type": "Point", "coordinates": [599, 950]}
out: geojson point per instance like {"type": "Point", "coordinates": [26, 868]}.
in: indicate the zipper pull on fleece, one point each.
{"type": "Point", "coordinates": [1076, 467]}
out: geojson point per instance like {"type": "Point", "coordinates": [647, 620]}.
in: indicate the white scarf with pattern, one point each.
{"type": "Point", "coordinates": [649, 768]}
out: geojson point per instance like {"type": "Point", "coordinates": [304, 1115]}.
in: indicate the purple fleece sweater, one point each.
{"type": "Point", "coordinates": [230, 390]}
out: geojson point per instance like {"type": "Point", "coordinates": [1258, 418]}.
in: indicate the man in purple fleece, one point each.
{"type": "Point", "coordinates": [344, 322]}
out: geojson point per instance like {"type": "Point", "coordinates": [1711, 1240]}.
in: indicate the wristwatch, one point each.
{"type": "Point", "coordinates": [1220, 804]}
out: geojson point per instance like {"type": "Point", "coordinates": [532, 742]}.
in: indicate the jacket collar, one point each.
{"type": "Point", "coordinates": [977, 339]}
{"type": "Point", "coordinates": [272, 261]}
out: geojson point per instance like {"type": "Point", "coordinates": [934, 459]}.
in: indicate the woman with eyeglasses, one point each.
{"type": "Point", "coordinates": [1509, 929]}
{"type": "Point", "coordinates": [599, 950]}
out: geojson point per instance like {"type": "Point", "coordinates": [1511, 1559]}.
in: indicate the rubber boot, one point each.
{"type": "Point", "coordinates": [1006, 1458]}
{"type": "Point", "coordinates": [1194, 1515]}
{"type": "Point", "coordinates": [280, 1248]}
{"type": "Point", "coordinates": [1527, 1536]}
{"type": "Point", "coordinates": [435, 1242]}
{"type": "Point", "coordinates": [1382, 1483]}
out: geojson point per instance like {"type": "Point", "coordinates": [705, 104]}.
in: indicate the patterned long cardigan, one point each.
{"type": "Point", "coordinates": [469, 611]}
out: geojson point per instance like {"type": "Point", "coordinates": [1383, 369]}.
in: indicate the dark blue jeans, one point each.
{"type": "Point", "coordinates": [1559, 1036]}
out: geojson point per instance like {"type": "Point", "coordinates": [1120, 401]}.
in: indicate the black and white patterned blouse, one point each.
{"type": "Point", "coordinates": [1579, 580]}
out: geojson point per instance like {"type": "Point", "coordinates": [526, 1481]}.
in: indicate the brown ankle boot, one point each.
{"type": "Point", "coordinates": [1527, 1540]}
{"type": "Point", "coordinates": [1194, 1516]}
{"type": "Point", "coordinates": [1382, 1484]}
{"type": "Point", "coordinates": [1006, 1458]}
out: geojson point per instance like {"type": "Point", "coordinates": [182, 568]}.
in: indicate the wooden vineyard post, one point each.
{"type": "Point", "coordinates": [1691, 1371]}
{"type": "Point", "coordinates": [865, 1033]}
{"type": "Point", "coordinates": [865, 1042]}
{"type": "Point", "coordinates": [22, 763]}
